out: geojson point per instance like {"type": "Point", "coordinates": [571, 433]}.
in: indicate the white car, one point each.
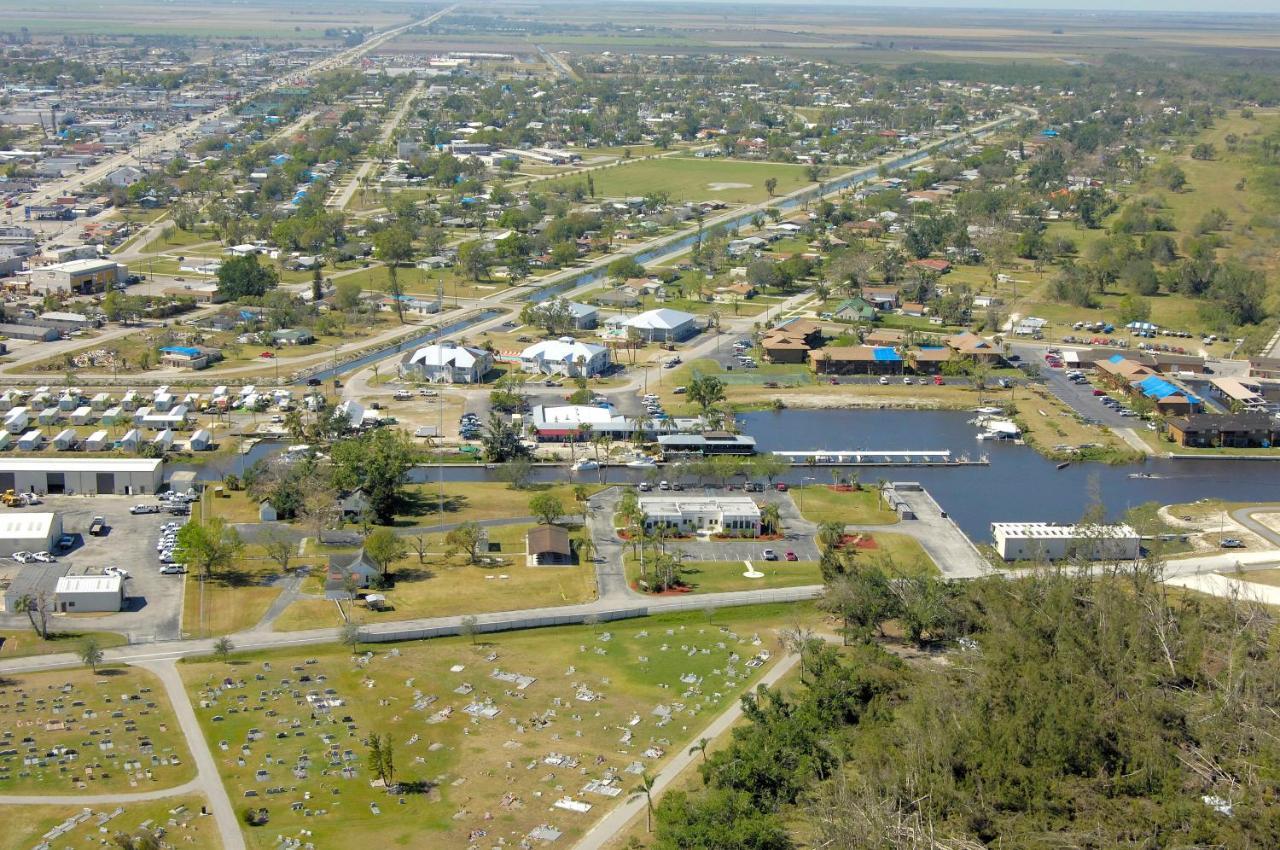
{"type": "Point", "coordinates": [884, 380]}
{"type": "Point", "coordinates": [906, 379]}
{"type": "Point", "coordinates": [115, 571]}
{"type": "Point", "coordinates": [173, 569]}
{"type": "Point", "coordinates": [44, 557]}
{"type": "Point", "coordinates": [23, 557]}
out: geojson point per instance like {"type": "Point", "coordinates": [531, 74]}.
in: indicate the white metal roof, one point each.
{"type": "Point", "coordinates": [87, 464]}
{"type": "Point", "coordinates": [26, 526]}
{"type": "Point", "coordinates": [446, 354]}
{"type": "Point", "coordinates": [1044, 530]}
{"type": "Point", "coordinates": [566, 350]}
{"type": "Point", "coordinates": [89, 584]}
{"type": "Point", "coordinates": [663, 318]}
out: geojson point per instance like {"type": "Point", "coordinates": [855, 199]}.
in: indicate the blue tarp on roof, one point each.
{"type": "Point", "coordinates": [1157, 387]}
{"type": "Point", "coordinates": [1115, 358]}
{"type": "Point", "coordinates": [181, 349]}
{"type": "Point", "coordinates": [885, 354]}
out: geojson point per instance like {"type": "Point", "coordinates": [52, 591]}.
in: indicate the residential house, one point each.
{"type": "Point", "coordinates": [360, 570]}
{"type": "Point", "coordinates": [565, 356]}
{"type": "Point", "coordinates": [856, 309]}
{"type": "Point", "coordinates": [661, 325]}
{"type": "Point", "coordinates": [447, 363]}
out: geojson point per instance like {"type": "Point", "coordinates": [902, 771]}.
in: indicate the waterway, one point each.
{"type": "Point", "coordinates": [1018, 484]}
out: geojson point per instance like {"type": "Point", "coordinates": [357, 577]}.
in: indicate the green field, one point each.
{"type": "Point", "coordinates": [593, 703]}
{"type": "Point", "coordinates": [691, 179]}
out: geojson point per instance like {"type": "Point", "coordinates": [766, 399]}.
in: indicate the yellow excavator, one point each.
{"type": "Point", "coordinates": [11, 499]}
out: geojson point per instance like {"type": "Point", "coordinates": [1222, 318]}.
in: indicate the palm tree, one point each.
{"type": "Point", "coordinates": [771, 517]}
{"type": "Point", "coordinates": [645, 789]}
{"type": "Point", "coordinates": [700, 747]}
{"type": "Point", "coordinates": [830, 534]}
{"type": "Point", "coordinates": [29, 606]}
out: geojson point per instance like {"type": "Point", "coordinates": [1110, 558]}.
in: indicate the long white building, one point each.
{"type": "Point", "coordinates": [1021, 541]}
{"type": "Point", "coordinates": [712, 514]}
{"type": "Point", "coordinates": [119, 476]}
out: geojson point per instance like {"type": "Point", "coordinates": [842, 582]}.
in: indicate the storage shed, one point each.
{"type": "Point", "coordinates": [80, 594]}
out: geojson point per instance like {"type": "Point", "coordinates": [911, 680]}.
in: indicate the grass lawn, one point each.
{"type": "Point", "coordinates": [178, 816]}
{"type": "Point", "coordinates": [465, 501]}
{"type": "Point", "coordinates": [444, 585]}
{"type": "Point", "coordinates": [690, 179]}
{"type": "Point", "coordinates": [1057, 432]}
{"type": "Point", "coordinates": [231, 601]}
{"type": "Point", "coordinates": [905, 552]}
{"type": "Point", "coordinates": [117, 720]}
{"type": "Point", "coordinates": [590, 709]}
{"type": "Point", "coordinates": [25, 642]}
{"type": "Point", "coordinates": [821, 504]}
{"type": "Point", "coordinates": [1268, 577]}
{"type": "Point", "coordinates": [720, 576]}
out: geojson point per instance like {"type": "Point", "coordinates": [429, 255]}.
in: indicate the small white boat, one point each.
{"type": "Point", "coordinates": [989, 411]}
{"type": "Point", "coordinates": [641, 463]}
{"type": "Point", "coordinates": [584, 465]}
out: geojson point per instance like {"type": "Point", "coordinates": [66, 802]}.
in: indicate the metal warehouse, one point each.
{"type": "Point", "coordinates": [34, 532]}
{"type": "Point", "coordinates": [78, 594]}
{"type": "Point", "coordinates": [112, 476]}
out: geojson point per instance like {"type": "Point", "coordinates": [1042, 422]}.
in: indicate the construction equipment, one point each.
{"type": "Point", "coordinates": [12, 499]}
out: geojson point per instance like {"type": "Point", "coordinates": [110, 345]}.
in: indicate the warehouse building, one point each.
{"type": "Point", "coordinates": [35, 582]}
{"type": "Point", "coordinates": [34, 532]}
{"type": "Point", "coordinates": [83, 277]}
{"type": "Point", "coordinates": [1020, 541]}
{"type": "Point", "coordinates": [94, 594]}
{"type": "Point", "coordinates": [118, 476]}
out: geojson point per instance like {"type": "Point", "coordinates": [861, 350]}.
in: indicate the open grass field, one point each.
{"type": "Point", "coordinates": [74, 730]}
{"type": "Point", "coordinates": [222, 606]}
{"type": "Point", "coordinates": [1056, 430]}
{"type": "Point", "coordinates": [1267, 577]}
{"type": "Point", "coordinates": [466, 501]}
{"type": "Point", "coordinates": [720, 576]}
{"type": "Point", "coordinates": [252, 19]}
{"type": "Point", "coordinates": [443, 584]}
{"type": "Point", "coordinates": [179, 817]}
{"type": "Point", "coordinates": [477, 747]}
{"type": "Point", "coordinates": [691, 179]}
{"type": "Point", "coordinates": [820, 503]}
{"type": "Point", "coordinates": [25, 642]}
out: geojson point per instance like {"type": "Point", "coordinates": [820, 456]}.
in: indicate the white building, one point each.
{"type": "Point", "coordinates": [1019, 541]}
{"type": "Point", "coordinates": [121, 476]}
{"type": "Point", "coordinates": [661, 325]}
{"type": "Point", "coordinates": [565, 356]}
{"type": "Point", "coordinates": [35, 532]}
{"type": "Point", "coordinates": [713, 514]}
{"type": "Point", "coordinates": [79, 276]}
{"type": "Point", "coordinates": [98, 594]}
{"type": "Point", "coordinates": [448, 363]}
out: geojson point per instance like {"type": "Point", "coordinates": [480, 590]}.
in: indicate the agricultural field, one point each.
{"type": "Point", "coordinates": [80, 826]}
{"type": "Point", "coordinates": [491, 739]}
{"type": "Point", "coordinates": [74, 730]}
{"type": "Point", "coordinates": [692, 179]}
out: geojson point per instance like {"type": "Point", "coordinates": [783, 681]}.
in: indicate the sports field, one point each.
{"type": "Point", "coordinates": [691, 179]}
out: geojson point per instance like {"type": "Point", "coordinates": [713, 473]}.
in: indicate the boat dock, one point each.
{"type": "Point", "coordinates": [869, 457]}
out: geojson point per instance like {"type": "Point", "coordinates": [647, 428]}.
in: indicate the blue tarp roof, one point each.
{"type": "Point", "coordinates": [1157, 387]}
{"type": "Point", "coordinates": [884, 353]}
{"type": "Point", "coordinates": [181, 349]}
{"type": "Point", "coordinates": [1115, 358]}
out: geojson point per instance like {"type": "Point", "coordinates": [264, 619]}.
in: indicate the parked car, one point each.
{"type": "Point", "coordinates": [172, 569]}
{"type": "Point", "coordinates": [937, 381]}
{"type": "Point", "coordinates": [770, 555]}
{"type": "Point", "coordinates": [23, 557]}
{"type": "Point", "coordinates": [115, 571]}
{"type": "Point", "coordinates": [790, 556]}
{"type": "Point", "coordinates": [145, 509]}
{"type": "Point", "coordinates": [65, 542]}
{"type": "Point", "coordinates": [1231, 543]}
{"type": "Point", "coordinates": [884, 380]}
{"type": "Point", "coordinates": [781, 486]}
{"type": "Point", "coordinates": [645, 487]}
{"type": "Point", "coordinates": [43, 557]}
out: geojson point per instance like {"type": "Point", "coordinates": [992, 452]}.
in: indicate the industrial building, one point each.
{"type": "Point", "coordinates": [84, 277]}
{"type": "Point", "coordinates": [35, 582]}
{"type": "Point", "coordinates": [29, 532]}
{"type": "Point", "coordinates": [118, 476]}
{"type": "Point", "coordinates": [94, 594]}
{"type": "Point", "coordinates": [1020, 541]}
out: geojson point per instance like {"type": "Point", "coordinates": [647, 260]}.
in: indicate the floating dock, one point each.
{"type": "Point", "coordinates": [869, 457]}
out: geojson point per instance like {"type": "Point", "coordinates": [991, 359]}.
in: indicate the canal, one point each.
{"type": "Point", "coordinates": [1018, 484]}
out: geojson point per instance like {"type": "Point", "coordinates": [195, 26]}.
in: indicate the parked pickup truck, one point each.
{"type": "Point", "coordinates": [98, 526]}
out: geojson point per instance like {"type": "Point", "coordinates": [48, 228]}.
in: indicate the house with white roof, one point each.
{"type": "Point", "coordinates": [447, 363]}
{"type": "Point", "coordinates": [565, 356]}
{"type": "Point", "coordinates": [661, 325]}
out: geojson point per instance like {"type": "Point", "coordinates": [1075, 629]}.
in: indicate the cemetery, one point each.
{"type": "Point", "coordinates": [175, 821]}
{"type": "Point", "coordinates": [76, 731]}
{"type": "Point", "coordinates": [513, 739]}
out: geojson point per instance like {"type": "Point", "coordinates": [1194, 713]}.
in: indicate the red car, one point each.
{"type": "Point", "coordinates": [1099, 392]}
{"type": "Point", "coordinates": [937, 380]}
{"type": "Point", "coordinates": [267, 354]}
{"type": "Point", "coordinates": [781, 486]}
{"type": "Point", "coordinates": [790, 556]}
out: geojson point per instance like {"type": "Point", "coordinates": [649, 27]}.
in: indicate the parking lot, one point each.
{"type": "Point", "coordinates": [1078, 396]}
{"type": "Point", "coordinates": [153, 603]}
